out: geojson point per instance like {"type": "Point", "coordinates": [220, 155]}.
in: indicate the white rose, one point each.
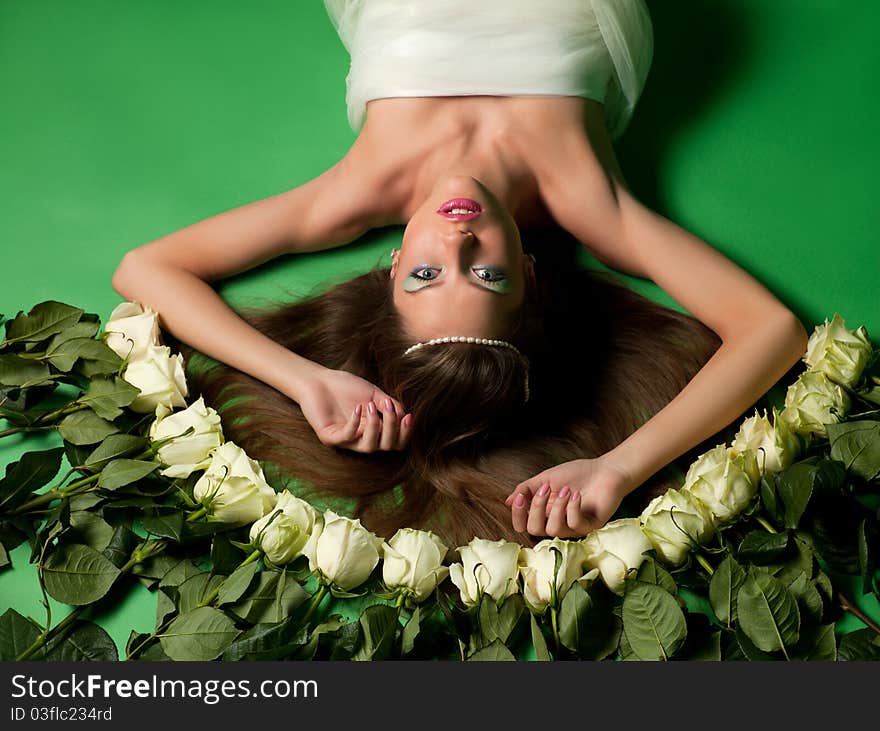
{"type": "Point", "coordinates": [489, 567]}
{"type": "Point", "coordinates": [186, 454]}
{"type": "Point", "coordinates": [292, 532]}
{"type": "Point", "coordinates": [673, 521]}
{"type": "Point", "coordinates": [131, 330]}
{"type": "Point", "coordinates": [839, 353]}
{"type": "Point", "coordinates": [616, 549]}
{"type": "Point", "coordinates": [537, 565]}
{"type": "Point", "coordinates": [724, 481]}
{"type": "Point", "coordinates": [813, 401]}
{"type": "Point", "coordinates": [413, 560]}
{"type": "Point", "coordinates": [345, 552]}
{"type": "Point", "coordinates": [775, 445]}
{"type": "Point", "coordinates": [160, 378]}
{"type": "Point", "coordinates": [233, 487]}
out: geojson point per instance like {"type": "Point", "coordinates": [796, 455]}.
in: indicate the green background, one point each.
{"type": "Point", "coordinates": [125, 120]}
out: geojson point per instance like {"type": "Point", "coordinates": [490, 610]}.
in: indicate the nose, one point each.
{"type": "Point", "coordinates": [459, 235]}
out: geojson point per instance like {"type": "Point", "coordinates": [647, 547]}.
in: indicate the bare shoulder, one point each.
{"type": "Point", "coordinates": [580, 179]}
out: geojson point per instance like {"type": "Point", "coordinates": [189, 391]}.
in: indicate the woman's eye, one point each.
{"type": "Point", "coordinates": [425, 273]}
{"type": "Point", "coordinates": [490, 275]}
{"type": "Point", "coordinates": [418, 277]}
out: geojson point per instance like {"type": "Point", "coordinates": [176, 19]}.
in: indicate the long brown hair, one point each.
{"type": "Point", "coordinates": [602, 359]}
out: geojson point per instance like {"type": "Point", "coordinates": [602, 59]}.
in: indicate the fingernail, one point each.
{"type": "Point", "coordinates": [575, 496]}
{"type": "Point", "coordinates": [389, 406]}
{"type": "Point", "coordinates": [357, 410]}
{"type": "Point", "coordinates": [407, 420]}
{"type": "Point", "coordinates": [544, 489]}
{"type": "Point", "coordinates": [519, 501]}
{"type": "Point", "coordinates": [563, 493]}
{"type": "Point", "coordinates": [372, 407]}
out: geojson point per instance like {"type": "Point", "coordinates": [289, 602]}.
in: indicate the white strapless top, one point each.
{"type": "Point", "coordinates": [598, 49]}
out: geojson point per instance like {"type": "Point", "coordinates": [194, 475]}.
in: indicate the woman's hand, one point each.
{"type": "Point", "coordinates": [349, 412]}
{"type": "Point", "coordinates": [570, 499]}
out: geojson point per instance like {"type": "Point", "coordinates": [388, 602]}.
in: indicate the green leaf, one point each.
{"type": "Point", "coordinates": [225, 556]}
{"type": "Point", "coordinates": [868, 540]}
{"type": "Point", "coordinates": [177, 574]}
{"type": "Point", "coordinates": [122, 472]}
{"type": "Point", "coordinates": [802, 561]}
{"type": "Point", "coordinates": [17, 634]}
{"type": "Point", "coordinates": [816, 643]}
{"type": "Point", "coordinates": [82, 329]}
{"type": "Point", "coordinates": [723, 587]}
{"type": "Point", "coordinates": [122, 543]}
{"type": "Point", "coordinates": [795, 487]}
{"type": "Point", "coordinates": [66, 352]}
{"type": "Point", "coordinates": [654, 623]}
{"type": "Point", "coordinates": [651, 572]}
{"type": "Point", "coordinates": [808, 598]}
{"type": "Point", "coordinates": [4, 557]}
{"type": "Point", "coordinates": [379, 626]}
{"type": "Point", "coordinates": [85, 427]}
{"type": "Point", "coordinates": [859, 646]}
{"type": "Point", "coordinates": [343, 638]}
{"type": "Point", "coordinates": [767, 612]}
{"type": "Point", "coordinates": [410, 632]}
{"type": "Point", "coordinates": [195, 589]}
{"type": "Point", "coordinates": [201, 634]}
{"type": "Point", "coordinates": [100, 360]}
{"type": "Point", "coordinates": [275, 596]}
{"type": "Point", "coordinates": [539, 642]}
{"type": "Point", "coordinates": [77, 574]}
{"type": "Point", "coordinates": [770, 499]}
{"type": "Point", "coordinates": [27, 475]}
{"type": "Point", "coordinates": [87, 642]}
{"type": "Point", "coordinates": [857, 445]}
{"type": "Point", "coordinates": [18, 371]}
{"type": "Point", "coordinates": [749, 650]}
{"type": "Point", "coordinates": [106, 394]}
{"type": "Point", "coordinates": [165, 524]}
{"type": "Point", "coordinates": [499, 622]}
{"type": "Point", "coordinates": [237, 583]}
{"type": "Point", "coordinates": [625, 649]}
{"type": "Point", "coordinates": [495, 652]}
{"type": "Point", "coordinates": [760, 547]}
{"type": "Point", "coordinates": [267, 641]}
{"type": "Point", "coordinates": [587, 626]}
{"type": "Point", "coordinates": [90, 529]}
{"type": "Point", "coordinates": [42, 321]}
{"type": "Point", "coordinates": [114, 447]}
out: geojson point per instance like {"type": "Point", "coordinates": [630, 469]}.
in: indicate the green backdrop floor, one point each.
{"type": "Point", "coordinates": [123, 122]}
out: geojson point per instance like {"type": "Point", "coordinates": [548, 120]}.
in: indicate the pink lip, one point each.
{"type": "Point", "coordinates": [474, 209]}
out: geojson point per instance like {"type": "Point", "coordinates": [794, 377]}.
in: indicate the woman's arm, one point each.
{"type": "Point", "coordinates": [761, 338]}
{"type": "Point", "coordinates": [173, 273]}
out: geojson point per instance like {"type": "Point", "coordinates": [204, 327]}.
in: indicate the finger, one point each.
{"type": "Point", "coordinates": [390, 426]}
{"type": "Point", "coordinates": [577, 522]}
{"type": "Point", "coordinates": [372, 430]}
{"type": "Point", "coordinates": [526, 489]}
{"type": "Point", "coordinates": [350, 430]}
{"type": "Point", "coordinates": [556, 524]}
{"type": "Point", "coordinates": [536, 521]}
{"type": "Point", "coordinates": [519, 513]}
{"type": "Point", "coordinates": [405, 431]}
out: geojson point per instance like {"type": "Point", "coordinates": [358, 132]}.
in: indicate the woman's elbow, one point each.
{"type": "Point", "coordinates": [791, 335]}
{"type": "Point", "coordinates": [125, 275]}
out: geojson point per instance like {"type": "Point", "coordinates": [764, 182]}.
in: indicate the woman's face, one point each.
{"type": "Point", "coordinates": [461, 269]}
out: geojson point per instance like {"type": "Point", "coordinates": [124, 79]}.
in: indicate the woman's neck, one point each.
{"type": "Point", "coordinates": [494, 166]}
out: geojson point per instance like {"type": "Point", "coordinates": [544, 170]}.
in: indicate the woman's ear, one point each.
{"type": "Point", "coordinates": [529, 269]}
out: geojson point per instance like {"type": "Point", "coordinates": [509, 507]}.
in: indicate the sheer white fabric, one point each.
{"type": "Point", "coordinates": [598, 49]}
